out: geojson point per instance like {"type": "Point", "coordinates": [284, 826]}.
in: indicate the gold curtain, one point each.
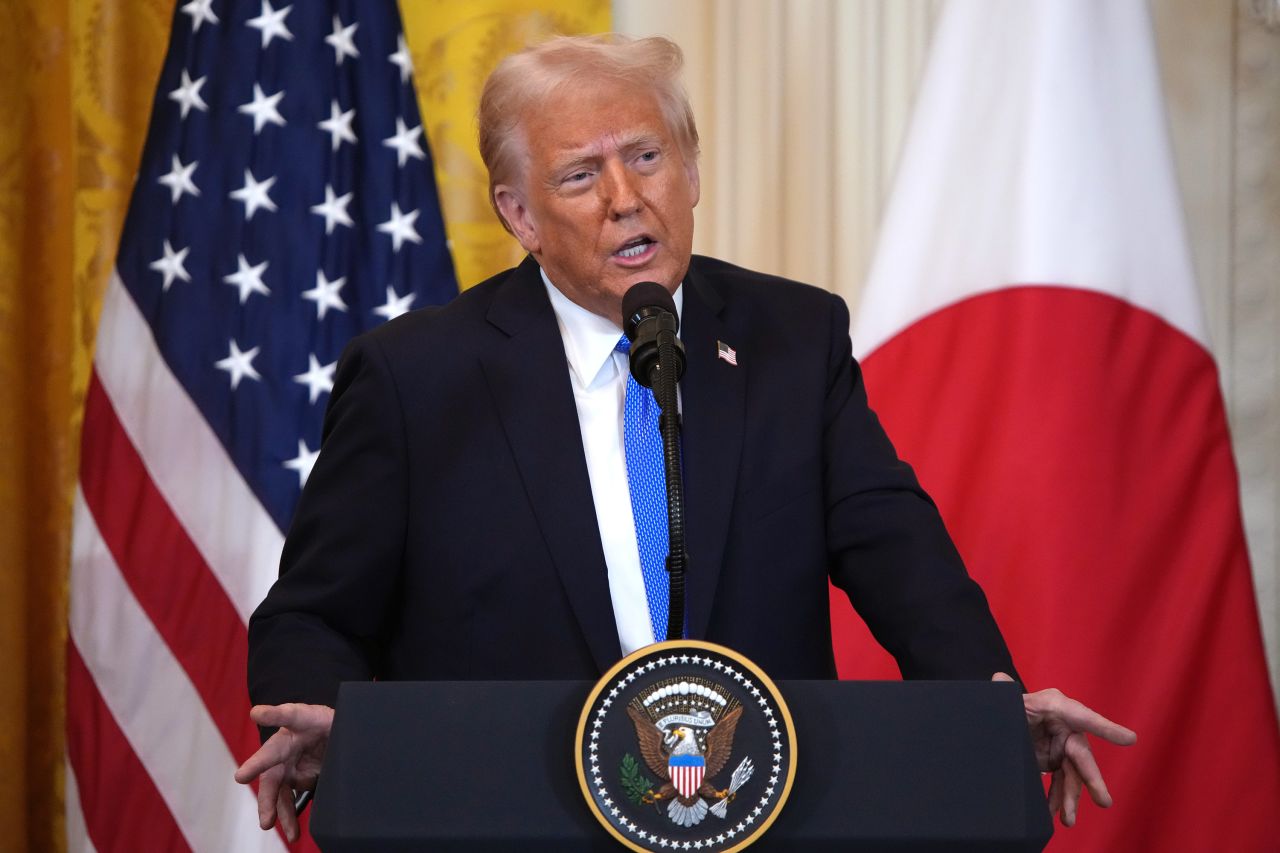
{"type": "Point", "coordinates": [76, 82]}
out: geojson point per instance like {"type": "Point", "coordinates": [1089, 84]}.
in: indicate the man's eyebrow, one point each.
{"type": "Point", "coordinates": [642, 139]}
{"type": "Point", "coordinates": [574, 159]}
{"type": "Point", "coordinates": [590, 156]}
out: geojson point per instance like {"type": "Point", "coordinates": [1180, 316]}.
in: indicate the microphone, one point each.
{"type": "Point", "coordinates": [657, 362]}
{"type": "Point", "coordinates": [649, 320]}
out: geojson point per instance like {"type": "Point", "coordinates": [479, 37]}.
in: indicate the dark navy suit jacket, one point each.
{"type": "Point", "coordinates": [447, 530]}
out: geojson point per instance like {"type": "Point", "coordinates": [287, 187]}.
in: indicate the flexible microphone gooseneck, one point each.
{"type": "Point", "coordinates": [657, 362]}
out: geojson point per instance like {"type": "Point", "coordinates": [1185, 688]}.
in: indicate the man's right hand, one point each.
{"type": "Point", "coordinates": [289, 761]}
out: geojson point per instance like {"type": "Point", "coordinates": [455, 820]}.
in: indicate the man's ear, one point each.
{"type": "Point", "coordinates": [513, 211]}
{"type": "Point", "coordinates": [695, 181]}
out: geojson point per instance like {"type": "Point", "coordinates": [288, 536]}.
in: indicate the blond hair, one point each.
{"type": "Point", "coordinates": [524, 80]}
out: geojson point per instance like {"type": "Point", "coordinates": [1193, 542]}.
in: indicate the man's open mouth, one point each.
{"type": "Point", "coordinates": [634, 248]}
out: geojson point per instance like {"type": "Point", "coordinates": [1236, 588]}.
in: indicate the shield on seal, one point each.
{"type": "Point", "coordinates": [686, 773]}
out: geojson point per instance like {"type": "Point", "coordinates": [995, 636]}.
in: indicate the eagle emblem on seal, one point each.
{"type": "Point", "coordinates": [685, 731]}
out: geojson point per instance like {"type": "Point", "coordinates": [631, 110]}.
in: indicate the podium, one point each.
{"type": "Point", "coordinates": [489, 766]}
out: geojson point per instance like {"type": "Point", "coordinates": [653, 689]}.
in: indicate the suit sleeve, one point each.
{"type": "Point", "coordinates": [889, 550]}
{"type": "Point", "coordinates": [326, 616]}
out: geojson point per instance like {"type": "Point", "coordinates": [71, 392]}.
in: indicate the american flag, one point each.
{"type": "Point", "coordinates": [285, 202]}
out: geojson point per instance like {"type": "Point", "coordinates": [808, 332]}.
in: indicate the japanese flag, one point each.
{"type": "Point", "coordinates": [1032, 339]}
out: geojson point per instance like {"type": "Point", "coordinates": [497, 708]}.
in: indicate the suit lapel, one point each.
{"type": "Point", "coordinates": [713, 399]}
{"type": "Point", "coordinates": [529, 379]}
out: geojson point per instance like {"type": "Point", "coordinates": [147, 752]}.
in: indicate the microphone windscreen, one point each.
{"type": "Point", "coordinates": [646, 294]}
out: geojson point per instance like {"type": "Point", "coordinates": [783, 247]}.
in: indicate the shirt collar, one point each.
{"type": "Point", "coordinates": [589, 339]}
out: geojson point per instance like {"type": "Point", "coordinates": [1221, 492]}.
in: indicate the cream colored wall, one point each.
{"type": "Point", "coordinates": [803, 104]}
{"type": "Point", "coordinates": [1249, 336]}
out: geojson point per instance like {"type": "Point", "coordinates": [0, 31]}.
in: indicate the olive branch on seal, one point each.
{"type": "Point", "coordinates": [634, 783]}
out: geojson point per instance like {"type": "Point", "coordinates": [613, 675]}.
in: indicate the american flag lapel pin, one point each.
{"type": "Point", "coordinates": [726, 353]}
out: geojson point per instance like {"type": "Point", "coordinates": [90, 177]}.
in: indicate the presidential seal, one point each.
{"type": "Point", "coordinates": [685, 745]}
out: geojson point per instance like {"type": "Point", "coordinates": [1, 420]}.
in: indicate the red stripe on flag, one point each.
{"type": "Point", "coordinates": [123, 811]}
{"type": "Point", "coordinates": [167, 575]}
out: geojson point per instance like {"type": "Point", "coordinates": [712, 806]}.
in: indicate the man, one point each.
{"type": "Point", "coordinates": [471, 515]}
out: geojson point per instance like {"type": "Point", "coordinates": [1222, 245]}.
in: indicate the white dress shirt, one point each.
{"type": "Point", "coordinates": [598, 373]}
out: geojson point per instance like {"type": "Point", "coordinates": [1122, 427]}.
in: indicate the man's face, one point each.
{"type": "Point", "coordinates": [606, 199]}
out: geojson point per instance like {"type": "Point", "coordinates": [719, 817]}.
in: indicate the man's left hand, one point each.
{"type": "Point", "coordinates": [1059, 725]}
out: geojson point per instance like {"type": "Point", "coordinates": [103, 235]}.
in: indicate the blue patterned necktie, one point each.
{"type": "Point", "coordinates": [646, 480]}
